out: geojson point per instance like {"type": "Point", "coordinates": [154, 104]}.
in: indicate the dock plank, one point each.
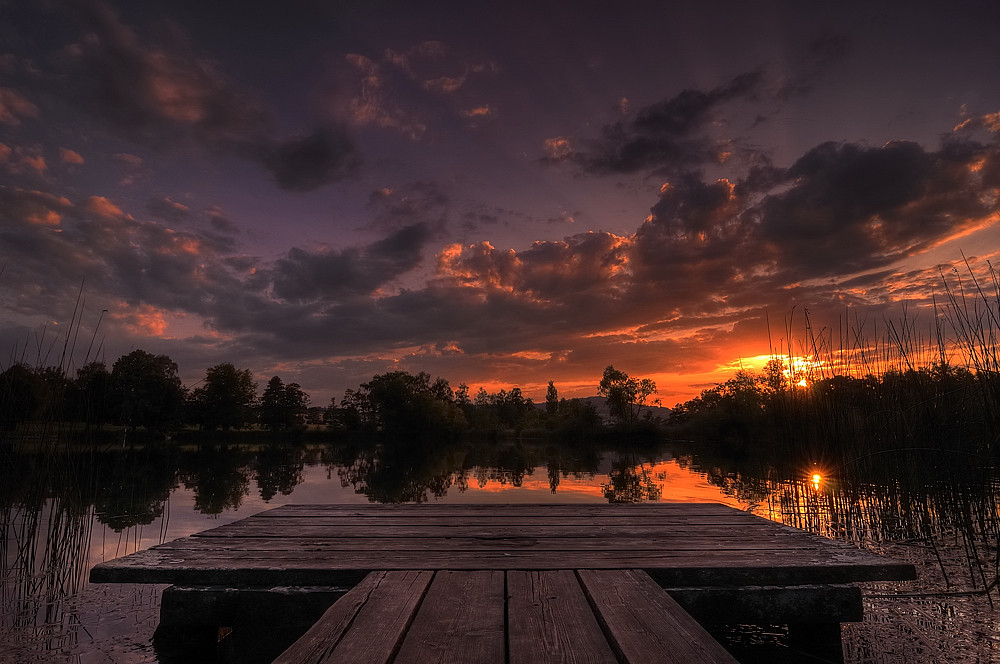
{"type": "Point", "coordinates": [461, 620]}
{"type": "Point", "coordinates": [681, 510]}
{"type": "Point", "coordinates": [549, 620]}
{"type": "Point", "coordinates": [469, 544]}
{"type": "Point", "coordinates": [385, 602]}
{"type": "Point", "coordinates": [704, 553]}
{"type": "Point", "coordinates": [644, 625]}
{"type": "Point", "coordinates": [276, 548]}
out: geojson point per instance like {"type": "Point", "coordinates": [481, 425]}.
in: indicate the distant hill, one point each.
{"type": "Point", "coordinates": [601, 404]}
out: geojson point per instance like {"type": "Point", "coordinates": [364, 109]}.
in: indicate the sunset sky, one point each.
{"type": "Point", "coordinates": [499, 193]}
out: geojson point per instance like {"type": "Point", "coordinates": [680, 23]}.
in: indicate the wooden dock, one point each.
{"type": "Point", "coordinates": [546, 580]}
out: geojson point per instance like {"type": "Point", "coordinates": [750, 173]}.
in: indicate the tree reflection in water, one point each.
{"type": "Point", "coordinates": [939, 510]}
{"type": "Point", "coordinates": [631, 482]}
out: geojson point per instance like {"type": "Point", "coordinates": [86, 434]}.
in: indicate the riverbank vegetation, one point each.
{"type": "Point", "coordinates": [921, 384]}
{"type": "Point", "coordinates": [142, 393]}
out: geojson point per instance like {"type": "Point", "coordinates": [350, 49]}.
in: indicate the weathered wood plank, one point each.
{"type": "Point", "coordinates": [671, 568]}
{"type": "Point", "coordinates": [461, 620]}
{"type": "Point", "coordinates": [470, 544]}
{"type": "Point", "coordinates": [366, 625]}
{"type": "Point", "coordinates": [556, 526]}
{"type": "Point", "coordinates": [644, 625]}
{"type": "Point", "coordinates": [483, 530]}
{"type": "Point", "coordinates": [408, 516]}
{"type": "Point", "coordinates": [505, 508]}
{"type": "Point", "coordinates": [549, 620]}
{"type": "Point", "coordinates": [281, 550]}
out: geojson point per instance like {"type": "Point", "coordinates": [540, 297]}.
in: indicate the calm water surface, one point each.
{"type": "Point", "coordinates": [63, 513]}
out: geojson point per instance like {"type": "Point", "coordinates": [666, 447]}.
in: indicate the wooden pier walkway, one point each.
{"type": "Point", "coordinates": [507, 583]}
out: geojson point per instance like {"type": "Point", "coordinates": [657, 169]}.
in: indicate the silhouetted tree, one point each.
{"type": "Point", "coordinates": [400, 402]}
{"type": "Point", "coordinates": [283, 407]}
{"type": "Point", "coordinates": [19, 395]}
{"type": "Point", "coordinates": [89, 395]}
{"type": "Point", "coordinates": [226, 399]}
{"type": "Point", "coordinates": [626, 396]}
{"type": "Point", "coordinates": [147, 391]}
{"type": "Point", "coordinates": [551, 399]}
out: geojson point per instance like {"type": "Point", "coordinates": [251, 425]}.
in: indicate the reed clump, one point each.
{"type": "Point", "coordinates": [898, 418]}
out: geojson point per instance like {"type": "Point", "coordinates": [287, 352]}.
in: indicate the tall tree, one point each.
{"type": "Point", "coordinates": [19, 395]}
{"type": "Point", "coordinates": [90, 394]}
{"type": "Point", "coordinates": [401, 402]}
{"type": "Point", "coordinates": [283, 407]}
{"type": "Point", "coordinates": [551, 399]}
{"type": "Point", "coordinates": [226, 399]}
{"type": "Point", "coordinates": [147, 391]}
{"type": "Point", "coordinates": [626, 396]}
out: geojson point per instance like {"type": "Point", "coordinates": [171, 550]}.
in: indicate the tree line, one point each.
{"type": "Point", "coordinates": [144, 390]}
{"type": "Point", "coordinates": [941, 407]}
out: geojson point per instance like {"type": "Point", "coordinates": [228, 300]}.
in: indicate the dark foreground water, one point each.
{"type": "Point", "coordinates": [62, 512]}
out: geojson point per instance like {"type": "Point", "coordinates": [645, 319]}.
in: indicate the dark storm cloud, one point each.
{"type": "Point", "coordinates": [712, 250]}
{"type": "Point", "coordinates": [310, 162]}
{"type": "Point", "coordinates": [852, 208]}
{"type": "Point", "coordinates": [50, 242]}
{"type": "Point", "coordinates": [711, 253]}
{"type": "Point", "coordinates": [665, 137]}
{"type": "Point", "coordinates": [158, 94]}
{"type": "Point", "coordinates": [306, 276]}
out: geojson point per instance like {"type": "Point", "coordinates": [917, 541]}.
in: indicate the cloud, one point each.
{"type": "Point", "coordinates": [414, 90]}
{"type": "Point", "coordinates": [159, 94]}
{"type": "Point", "coordinates": [414, 203]}
{"type": "Point", "coordinates": [25, 206]}
{"type": "Point", "coordinates": [713, 255]}
{"type": "Point", "coordinates": [14, 107]}
{"type": "Point", "coordinates": [310, 162]}
{"type": "Point", "coordinates": [852, 208]}
{"type": "Point", "coordinates": [374, 102]}
{"type": "Point", "coordinates": [168, 210]}
{"type": "Point", "coordinates": [154, 92]}
{"type": "Point", "coordinates": [304, 276]}
{"type": "Point", "coordinates": [103, 207]}
{"type": "Point", "coordinates": [68, 156]}
{"type": "Point", "coordinates": [666, 137]}
{"type": "Point", "coordinates": [20, 160]}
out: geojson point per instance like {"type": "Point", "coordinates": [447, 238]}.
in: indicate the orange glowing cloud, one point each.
{"type": "Point", "coordinates": [183, 245]}
{"type": "Point", "coordinates": [14, 106]}
{"type": "Point", "coordinates": [557, 149]}
{"type": "Point", "coordinates": [103, 207]}
{"type": "Point", "coordinates": [478, 112]}
{"type": "Point", "coordinates": [45, 218]}
{"type": "Point", "coordinates": [142, 320]}
{"type": "Point", "coordinates": [19, 160]}
{"type": "Point", "coordinates": [68, 156]}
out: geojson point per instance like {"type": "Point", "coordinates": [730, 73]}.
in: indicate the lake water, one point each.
{"type": "Point", "coordinates": [62, 513]}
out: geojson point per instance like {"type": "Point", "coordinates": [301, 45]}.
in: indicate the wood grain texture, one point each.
{"type": "Point", "coordinates": [549, 620]}
{"type": "Point", "coordinates": [366, 625]}
{"type": "Point", "coordinates": [461, 620]}
{"type": "Point", "coordinates": [644, 625]}
{"type": "Point", "coordinates": [679, 544]}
